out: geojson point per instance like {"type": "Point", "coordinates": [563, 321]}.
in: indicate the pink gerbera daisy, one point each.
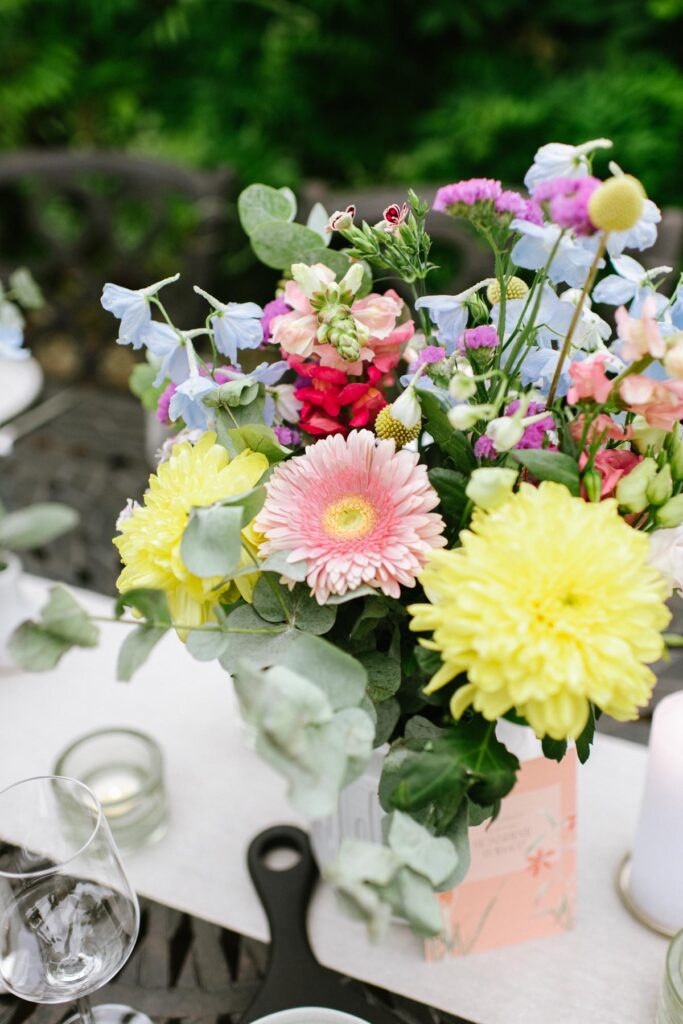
{"type": "Point", "coordinates": [356, 511]}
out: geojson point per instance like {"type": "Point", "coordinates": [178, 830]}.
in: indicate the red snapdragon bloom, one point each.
{"type": "Point", "coordinates": [333, 404]}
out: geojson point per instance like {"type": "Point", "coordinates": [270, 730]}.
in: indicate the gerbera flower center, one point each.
{"type": "Point", "coordinates": [349, 518]}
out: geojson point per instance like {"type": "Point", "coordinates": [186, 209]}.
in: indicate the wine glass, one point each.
{"type": "Point", "coordinates": [68, 915]}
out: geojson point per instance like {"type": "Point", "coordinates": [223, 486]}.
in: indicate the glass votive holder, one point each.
{"type": "Point", "coordinates": [124, 769]}
{"type": "Point", "coordinates": [670, 1005]}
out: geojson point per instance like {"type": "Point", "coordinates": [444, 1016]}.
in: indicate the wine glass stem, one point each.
{"type": "Point", "coordinates": [85, 1010]}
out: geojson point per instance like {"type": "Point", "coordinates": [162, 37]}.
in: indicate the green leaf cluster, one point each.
{"type": "Point", "coordinates": [35, 525]}
{"type": "Point", "coordinates": [37, 646]}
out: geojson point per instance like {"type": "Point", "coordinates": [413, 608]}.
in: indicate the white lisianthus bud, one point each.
{"type": "Point", "coordinates": [660, 488]}
{"type": "Point", "coordinates": [462, 387]}
{"type": "Point", "coordinates": [352, 279]}
{"type": "Point", "coordinates": [666, 554]}
{"type": "Point", "coordinates": [490, 487]}
{"type": "Point", "coordinates": [671, 514]}
{"type": "Point", "coordinates": [464, 417]}
{"type": "Point", "coordinates": [632, 489]}
{"type": "Point", "coordinates": [644, 436]}
{"type": "Point", "coordinates": [505, 432]}
{"type": "Point", "coordinates": [407, 409]}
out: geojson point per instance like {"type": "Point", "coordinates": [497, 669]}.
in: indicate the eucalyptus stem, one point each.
{"type": "Point", "coordinates": [588, 284]}
{"type": "Point", "coordinates": [207, 628]}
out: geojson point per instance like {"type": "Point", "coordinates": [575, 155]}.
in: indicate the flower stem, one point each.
{"type": "Point", "coordinates": [588, 284]}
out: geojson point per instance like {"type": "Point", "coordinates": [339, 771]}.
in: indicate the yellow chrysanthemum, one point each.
{"type": "Point", "coordinates": [149, 543]}
{"type": "Point", "coordinates": [548, 605]}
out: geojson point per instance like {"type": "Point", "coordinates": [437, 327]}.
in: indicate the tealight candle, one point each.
{"type": "Point", "coordinates": [656, 879]}
{"type": "Point", "coordinates": [124, 770]}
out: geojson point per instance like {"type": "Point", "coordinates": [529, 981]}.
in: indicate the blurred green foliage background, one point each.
{"type": "Point", "coordinates": [350, 91]}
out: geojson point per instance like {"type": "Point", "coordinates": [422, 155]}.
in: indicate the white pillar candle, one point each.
{"type": "Point", "coordinates": [657, 865]}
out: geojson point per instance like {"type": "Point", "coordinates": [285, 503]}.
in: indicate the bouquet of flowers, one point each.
{"type": "Point", "coordinates": [417, 514]}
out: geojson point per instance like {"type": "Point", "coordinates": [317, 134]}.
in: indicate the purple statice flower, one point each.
{"type": "Point", "coordinates": [484, 448]}
{"type": "Point", "coordinates": [278, 307]}
{"type": "Point", "coordinates": [467, 193]}
{"type": "Point", "coordinates": [478, 337]}
{"type": "Point", "coordinates": [290, 437]}
{"type": "Point", "coordinates": [512, 202]}
{"type": "Point", "coordinates": [429, 354]}
{"type": "Point", "coordinates": [567, 200]}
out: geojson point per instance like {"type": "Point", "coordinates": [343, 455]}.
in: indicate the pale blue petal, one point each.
{"type": "Point", "coordinates": [614, 290]}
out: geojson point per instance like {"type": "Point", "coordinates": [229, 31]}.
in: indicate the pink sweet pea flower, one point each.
{"type": "Point", "coordinates": [589, 380]}
{"type": "Point", "coordinates": [603, 428]}
{"type": "Point", "coordinates": [641, 337]}
{"type": "Point", "coordinates": [611, 464]}
{"type": "Point", "coordinates": [659, 401]}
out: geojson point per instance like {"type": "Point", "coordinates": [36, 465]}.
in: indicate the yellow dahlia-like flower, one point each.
{"type": "Point", "coordinates": [149, 543]}
{"type": "Point", "coordinates": [548, 605]}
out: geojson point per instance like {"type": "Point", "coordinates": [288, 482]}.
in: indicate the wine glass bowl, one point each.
{"type": "Point", "coordinates": [68, 915]}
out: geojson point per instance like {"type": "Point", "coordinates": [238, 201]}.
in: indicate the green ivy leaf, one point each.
{"type": "Point", "coordinates": [212, 541]}
{"type": "Point", "coordinates": [585, 740]}
{"type": "Point", "coordinates": [554, 466]}
{"type": "Point", "coordinates": [259, 204]}
{"type": "Point", "coordinates": [35, 525]}
{"type": "Point", "coordinates": [554, 750]}
{"type": "Point", "coordinates": [388, 713]}
{"type": "Point", "coordinates": [453, 443]}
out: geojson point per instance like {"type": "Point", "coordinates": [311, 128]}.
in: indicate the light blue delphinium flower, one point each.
{"type": "Point", "coordinates": [532, 252]}
{"type": "Point", "coordinates": [188, 402]}
{"type": "Point", "coordinates": [676, 311]}
{"type": "Point", "coordinates": [168, 346]}
{"type": "Point", "coordinates": [559, 160]}
{"type": "Point", "coordinates": [538, 369]}
{"type": "Point", "coordinates": [236, 325]}
{"type": "Point", "coordinates": [450, 313]}
{"type": "Point", "coordinates": [631, 283]}
{"type": "Point", "coordinates": [12, 333]}
{"type": "Point", "coordinates": [642, 235]}
{"type": "Point", "coordinates": [132, 308]}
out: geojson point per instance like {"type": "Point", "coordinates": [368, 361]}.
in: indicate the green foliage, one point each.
{"type": "Point", "coordinates": [63, 624]}
{"type": "Point", "coordinates": [453, 443]}
{"type": "Point", "coordinates": [289, 90]}
{"type": "Point", "coordinates": [550, 466]}
{"type": "Point", "coordinates": [35, 525]}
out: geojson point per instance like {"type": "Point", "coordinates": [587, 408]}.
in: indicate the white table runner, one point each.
{"type": "Point", "coordinates": [606, 971]}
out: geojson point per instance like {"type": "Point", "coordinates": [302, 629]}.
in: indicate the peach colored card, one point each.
{"type": "Point", "coordinates": [522, 881]}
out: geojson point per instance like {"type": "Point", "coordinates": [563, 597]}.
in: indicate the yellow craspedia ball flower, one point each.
{"type": "Point", "coordinates": [514, 289]}
{"type": "Point", "coordinates": [149, 542]}
{"type": "Point", "coordinates": [617, 204]}
{"type": "Point", "coordinates": [389, 428]}
{"type": "Point", "coordinates": [549, 604]}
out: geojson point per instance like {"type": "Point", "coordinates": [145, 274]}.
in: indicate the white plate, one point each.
{"type": "Point", "coordinates": [20, 384]}
{"type": "Point", "coordinates": [310, 1015]}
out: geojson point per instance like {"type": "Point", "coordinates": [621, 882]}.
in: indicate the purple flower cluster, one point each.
{"type": "Point", "coordinates": [474, 190]}
{"type": "Point", "coordinates": [567, 200]}
{"type": "Point", "coordinates": [512, 202]}
{"type": "Point", "coordinates": [290, 437]}
{"type": "Point", "coordinates": [478, 337]}
{"type": "Point", "coordinates": [278, 307]}
{"type": "Point", "coordinates": [429, 354]}
{"type": "Point", "coordinates": [533, 436]}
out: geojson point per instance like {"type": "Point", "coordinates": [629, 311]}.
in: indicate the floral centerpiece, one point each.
{"type": "Point", "coordinates": [397, 518]}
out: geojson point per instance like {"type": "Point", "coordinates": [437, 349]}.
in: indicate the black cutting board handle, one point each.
{"type": "Point", "coordinates": [294, 977]}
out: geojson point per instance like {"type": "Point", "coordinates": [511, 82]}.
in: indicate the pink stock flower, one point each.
{"type": "Point", "coordinates": [163, 404]}
{"type": "Point", "coordinates": [641, 337]}
{"type": "Point", "coordinates": [567, 200]}
{"type": "Point", "coordinates": [467, 193]}
{"type": "Point", "coordinates": [428, 355]}
{"type": "Point", "coordinates": [278, 307]}
{"type": "Point", "coordinates": [611, 464]}
{"type": "Point", "coordinates": [659, 401]}
{"type": "Point", "coordinates": [589, 379]}
{"type": "Point", "coordinates": [513, 203]}
{"type": "Point", "coordinates": [478, 337]}
{"type": "Point", "coordinates": [356, 511]}
{"type": "Point", "coordinates": [603, 428]}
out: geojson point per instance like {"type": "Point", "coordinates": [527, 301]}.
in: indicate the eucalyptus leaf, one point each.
{"type": "Point", "coordinates": [258, 438]}
{"type": "Point", "coordinates": [259, 204]}
{"type": "Point", "coordinates": [38, 646]}
{"type": "Point", "coordinates": [251, 637]}
{"type": "Point", "coordinates": [277, 603]}
{"type": "Point", "coordinates": [212, 541]}
{"type": "Point", "coordinates": [362, 591]}
{"type": "Point", "coordinates": [340, 675]}
{"type": "Point", "coordinates": [135, 650]}
{"type": "Point", "coordinates": [279, 244]}
{"type": "Point", "coordinates": [207, 644]}
{"type": "Point", "coordinates": [152, 604]}
{"type": "Point", "coordinates": [35, 649]}
{"type": "Point", "coordinates": [35, 525]}
{"type": "Point", "coordinates": [388, 713]}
